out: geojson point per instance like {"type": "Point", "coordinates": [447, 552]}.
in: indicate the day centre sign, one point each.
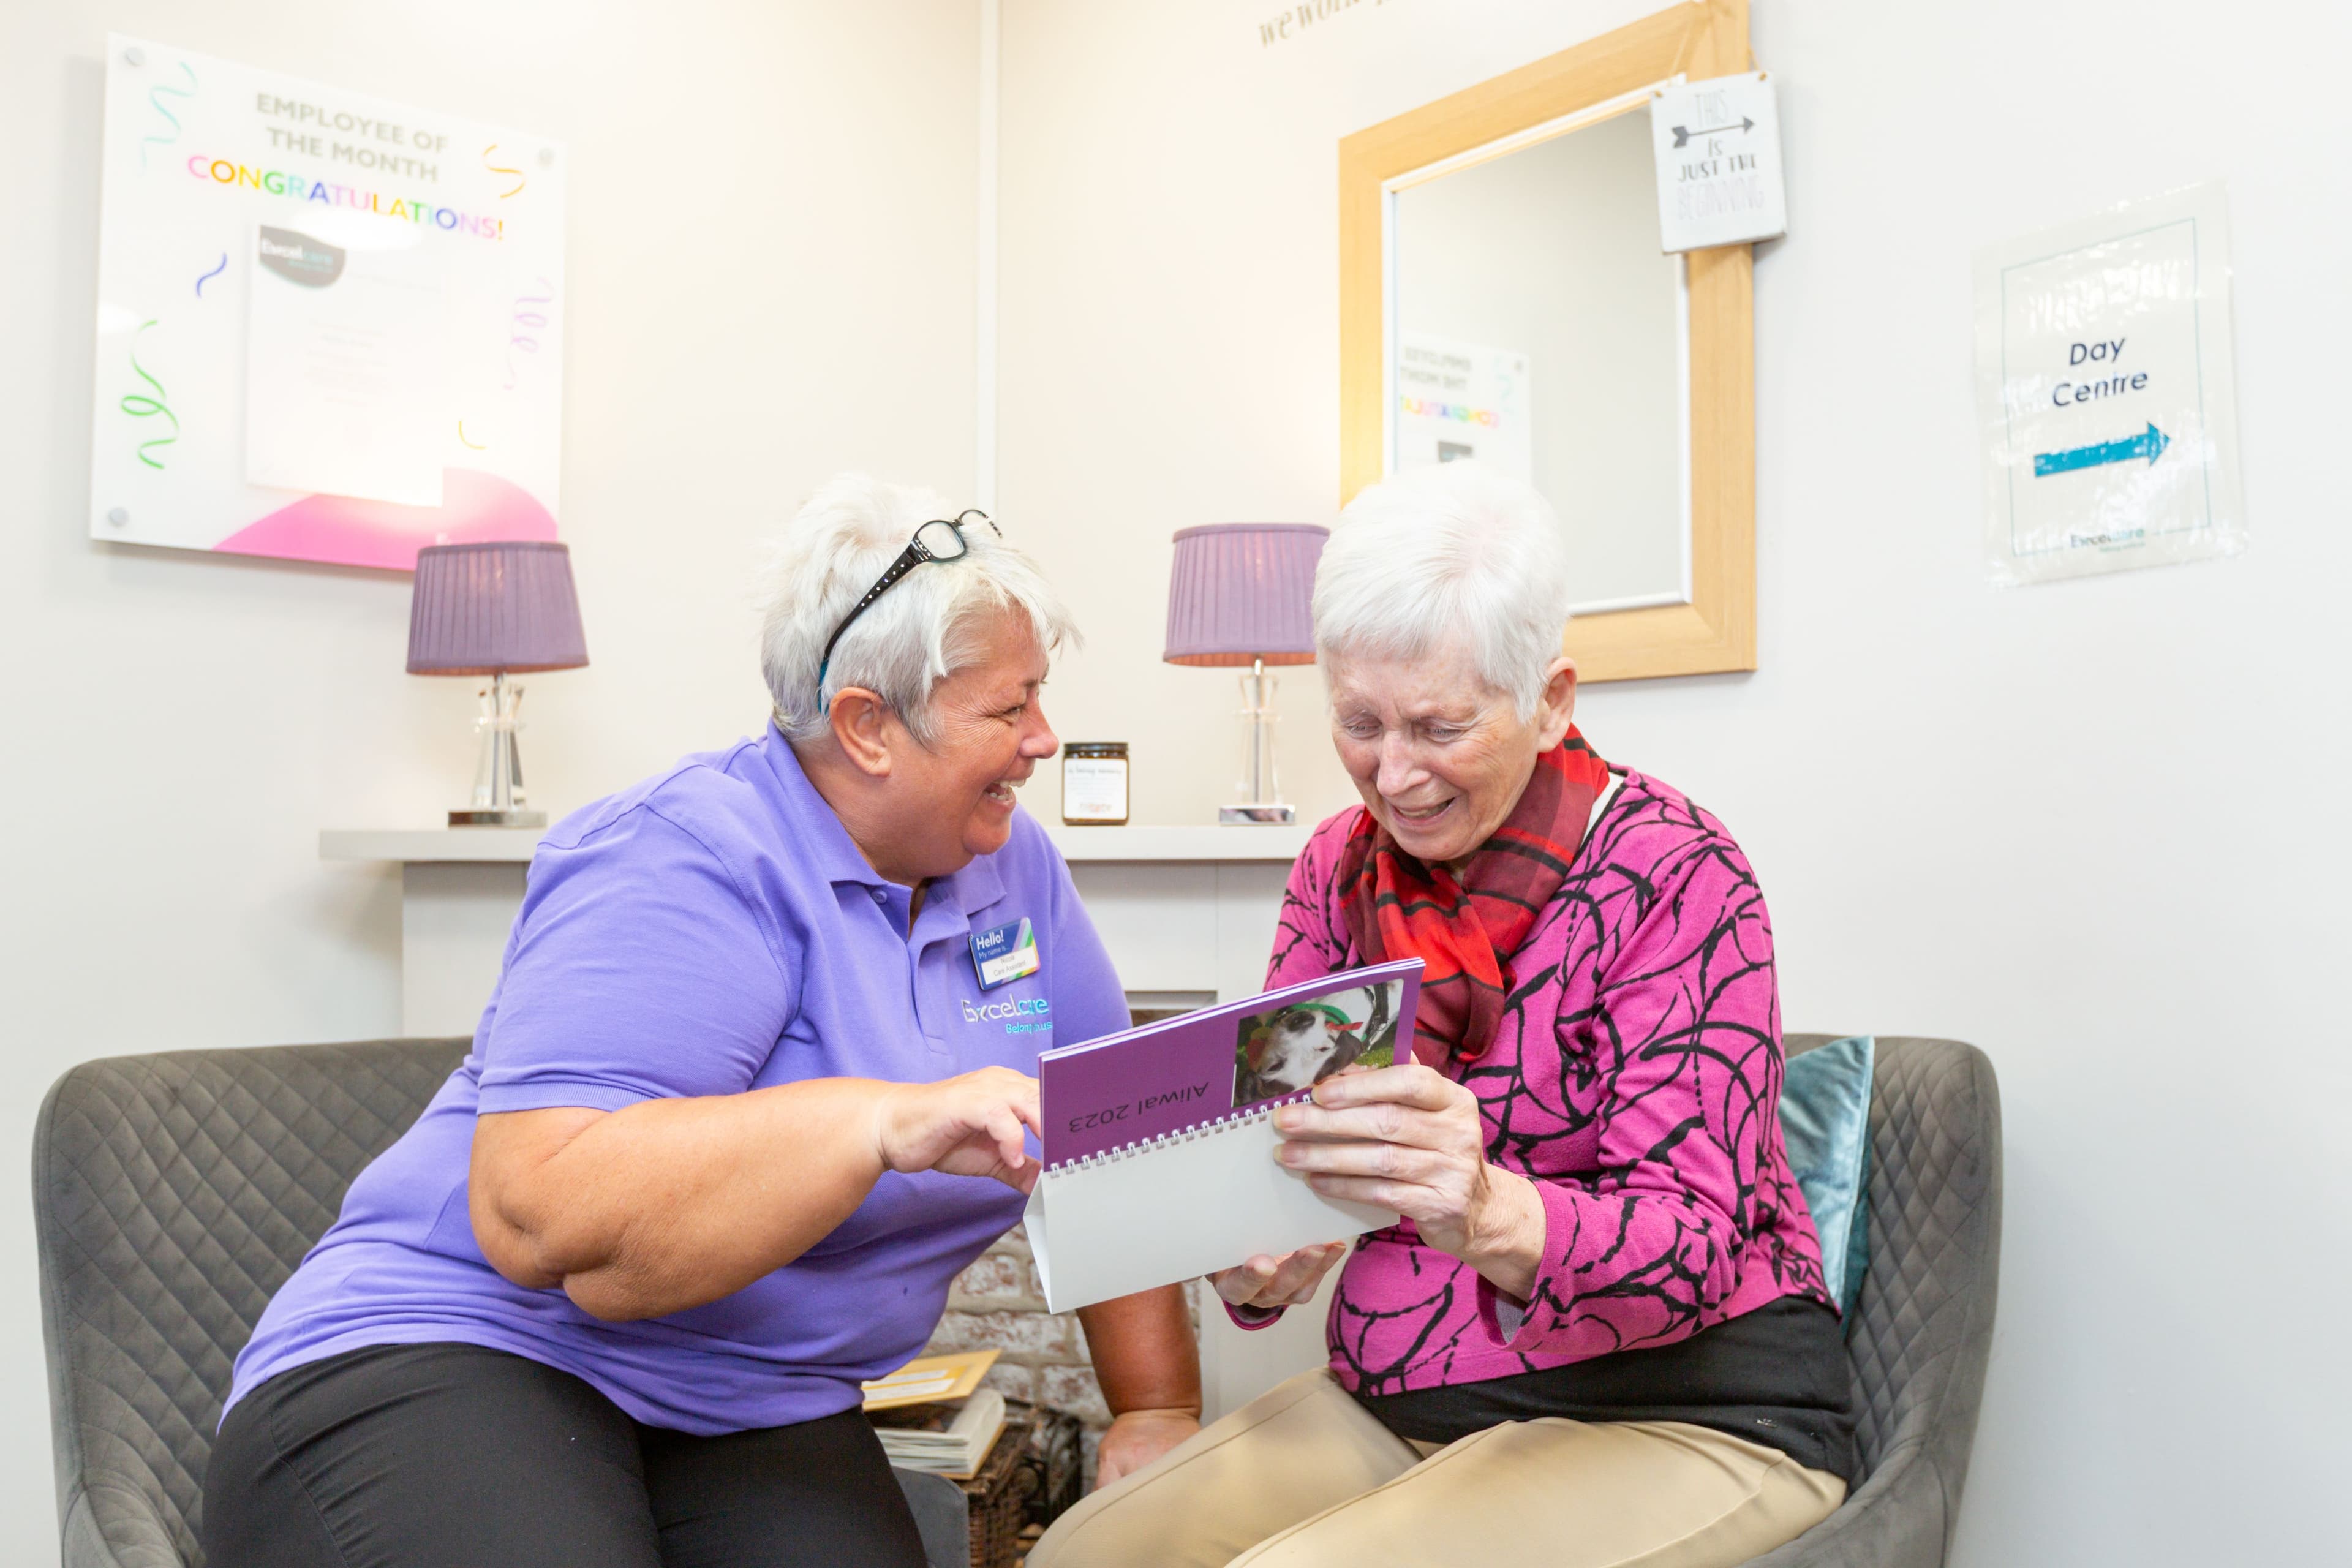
{"type": "Point", "coordinates": [2107, 392]}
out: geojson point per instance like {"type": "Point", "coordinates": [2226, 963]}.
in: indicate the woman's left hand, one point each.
{"type": "Point", "coordinates": [1136, 1437]}
{"type": "Point", "coordinates": [1410, 1138]}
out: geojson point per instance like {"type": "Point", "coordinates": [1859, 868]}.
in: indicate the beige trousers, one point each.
{"type": "Point", "coordinates": [1304, 1475]}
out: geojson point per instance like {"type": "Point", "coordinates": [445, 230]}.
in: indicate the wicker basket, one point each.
{"type": "Point", "coordinates": [1027, 1479]}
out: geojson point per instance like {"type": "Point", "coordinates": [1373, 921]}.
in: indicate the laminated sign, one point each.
{"type": "Point", "coordinates": [2106, 395]}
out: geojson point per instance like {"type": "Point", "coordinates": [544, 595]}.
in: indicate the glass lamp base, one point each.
{"type": "Point", "coordinates": [1262, 790]}
{"type": "Point", "coordinates": [497, 778]}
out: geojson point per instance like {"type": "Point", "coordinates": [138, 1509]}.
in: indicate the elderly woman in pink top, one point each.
{"type": "Point", "coordinates": [1600, 1334]}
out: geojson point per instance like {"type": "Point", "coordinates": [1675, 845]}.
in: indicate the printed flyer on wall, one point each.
{"type": "Point", "coordinates": [1457, 400]}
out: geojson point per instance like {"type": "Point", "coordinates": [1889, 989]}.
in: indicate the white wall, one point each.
{"type": "Point", "coordinates": [771, 245]}
{"type": "Point", "coordinates": [2092, 827]}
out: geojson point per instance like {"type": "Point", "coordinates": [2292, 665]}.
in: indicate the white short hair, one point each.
{"type": "Point", "coordinates": [923, 630]}
{"type": "Point", "coordinates": [1448, 555]}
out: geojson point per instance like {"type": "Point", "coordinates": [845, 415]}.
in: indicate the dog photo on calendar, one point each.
{"type": "Point", "coordinates": [1298, 1046]}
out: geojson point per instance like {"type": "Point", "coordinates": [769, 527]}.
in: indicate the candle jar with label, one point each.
{"type": "Point", "coordinates": [1094, 782]}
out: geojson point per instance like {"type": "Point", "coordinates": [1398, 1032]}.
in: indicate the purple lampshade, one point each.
{"type": "Point", "coordinates": [1241, 592]}
{"type": "Point", "coordinates": [480, 609]}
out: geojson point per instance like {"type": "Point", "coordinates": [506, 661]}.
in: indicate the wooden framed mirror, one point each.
{"type": "Point", "coordinates": [1502, 295]}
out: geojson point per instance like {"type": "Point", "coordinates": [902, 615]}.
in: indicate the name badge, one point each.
{"type": "Point", "coordinates": [1004, 955]}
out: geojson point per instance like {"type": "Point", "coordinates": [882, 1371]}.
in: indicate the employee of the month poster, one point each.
{"type": "Point", "coordinates": [330, 327]}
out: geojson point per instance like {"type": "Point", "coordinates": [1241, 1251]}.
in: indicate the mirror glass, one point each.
{"type": "Point", "coordinates": [1534, 324]}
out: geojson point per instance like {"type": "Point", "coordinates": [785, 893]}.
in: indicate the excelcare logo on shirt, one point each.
{"type": "Point", "coordinates": [1024, 1015]}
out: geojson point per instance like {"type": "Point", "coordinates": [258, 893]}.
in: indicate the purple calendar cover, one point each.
{"type": "Point", "coordinates": [1203, 1066]}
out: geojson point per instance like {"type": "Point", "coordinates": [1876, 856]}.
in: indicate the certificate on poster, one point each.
{"type": "Point", "coordinates": [329, 326]}
{"type": "Point", "coordinates": [2106, 391]}
{"type": "Point", "coordinates": [343, 370]}
{"type": "Point", "coordinates": [1457, 400]}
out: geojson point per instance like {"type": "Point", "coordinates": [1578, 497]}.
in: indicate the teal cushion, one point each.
{"type": "Point", "coordinates": [1825, 1124]}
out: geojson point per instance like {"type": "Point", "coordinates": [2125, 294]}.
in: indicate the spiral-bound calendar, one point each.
{"type": "Point", "coordinates": [1160, 1141]}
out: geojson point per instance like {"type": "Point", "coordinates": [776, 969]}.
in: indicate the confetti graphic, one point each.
{"type": "Point", "coordinates": [469, 441]}
{"type": "Point", "coordinates": [138, 406]}
{"type": "Point", "coordinates": [502, 169]}
{"type": "Point", "coordinates": [522, 323]}
{"type": "Point", "coordinates": [219, 268]}
{"type": "Point", "coordinates": [156, 96]}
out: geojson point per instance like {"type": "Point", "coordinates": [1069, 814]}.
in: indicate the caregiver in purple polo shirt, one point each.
{"type": "Point", "coordinates": [738, 1114]}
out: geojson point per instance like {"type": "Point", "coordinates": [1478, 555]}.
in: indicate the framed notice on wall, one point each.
{"type": "Point", "coordinates": [328, 327]}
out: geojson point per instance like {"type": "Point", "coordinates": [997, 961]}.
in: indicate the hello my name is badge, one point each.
{"type": "Point", "coordinates": [1005, 954]}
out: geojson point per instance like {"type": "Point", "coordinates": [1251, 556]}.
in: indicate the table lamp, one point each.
{"type": "Point", "coordinates": [495, 609]}
{"type": "Point", "coordinates": [1240, 595]}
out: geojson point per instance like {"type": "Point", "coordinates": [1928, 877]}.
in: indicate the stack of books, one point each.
{"type": "Point", "coordinates": [932, 1415]}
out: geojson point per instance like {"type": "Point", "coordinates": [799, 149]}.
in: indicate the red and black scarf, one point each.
{"type": "Point", "coordinates": [1462, 928]}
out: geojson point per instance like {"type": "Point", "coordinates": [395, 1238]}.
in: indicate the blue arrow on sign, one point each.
{"type": "Point", "coordinates": [2150, 443]}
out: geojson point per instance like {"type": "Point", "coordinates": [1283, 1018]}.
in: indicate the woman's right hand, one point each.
{"type": "Point", "coordinates": [1285, 1281]}
{"type": "Point", "coordinates": [970, 1125]}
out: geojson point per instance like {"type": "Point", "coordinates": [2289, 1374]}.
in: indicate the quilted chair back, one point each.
{"type": "Point", "coordinates": [173, 1195]}
{"type": "Point", "coordinates": [1922, 1327]}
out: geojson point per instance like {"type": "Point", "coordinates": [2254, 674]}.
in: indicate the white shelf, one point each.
{"type": "Point", "coordinates": [1257, 841]}
{"type": "Point", "coordinates": [430, 846]}
{"type": "Point", "coordinates": [444, 845]}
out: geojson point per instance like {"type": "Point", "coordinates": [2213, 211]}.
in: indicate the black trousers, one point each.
{"type": "Point", "coordinates": [449, 1456]}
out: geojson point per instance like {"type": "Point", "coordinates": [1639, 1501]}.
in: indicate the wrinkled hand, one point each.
{"type": "Point", "coordinates": [970, 1125]}
{"type": "Point", "coordinates": [1410, 1138]}
{"type": "Point", "coordinates": [1136, 1437]}
{"type": "Point", "coordinates": [1285, 1281]}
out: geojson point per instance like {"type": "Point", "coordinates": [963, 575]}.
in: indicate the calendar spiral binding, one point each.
{"type": "Point", "coordinates": [1215, 1124]}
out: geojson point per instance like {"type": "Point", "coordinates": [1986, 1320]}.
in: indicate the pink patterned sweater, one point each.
{"type": "Point", "coordinates": [1636, 1079]}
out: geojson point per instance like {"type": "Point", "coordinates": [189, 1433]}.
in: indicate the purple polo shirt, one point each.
{"type": "Point", "coordinates": [712, 931]}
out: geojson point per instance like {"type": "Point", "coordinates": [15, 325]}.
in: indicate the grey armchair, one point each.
{"type": "Point", "coordinates": [174, 1194]}
{"type": "Point", "coordinates": [1923, 1326]}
